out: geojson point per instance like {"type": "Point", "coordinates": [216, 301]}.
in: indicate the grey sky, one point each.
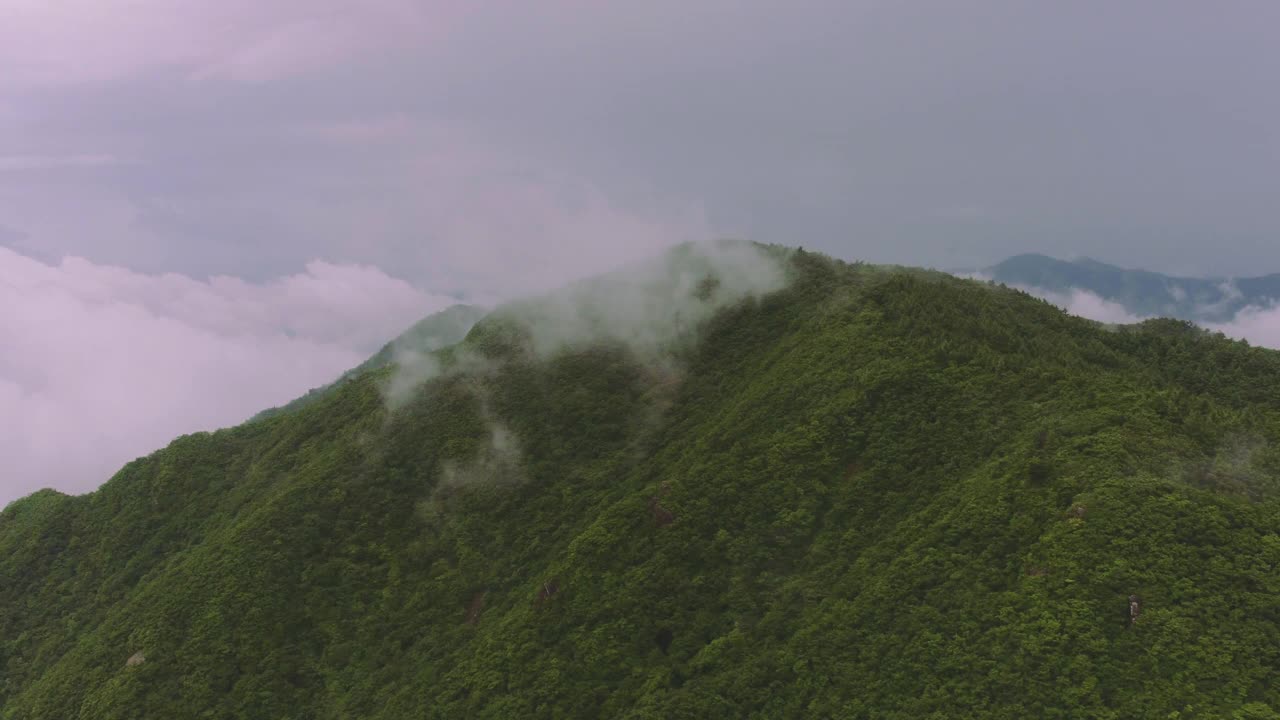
{"type": "Point", "coordinates": [437, 139]}
{"type": "Point", "coordinates": [209, 206]}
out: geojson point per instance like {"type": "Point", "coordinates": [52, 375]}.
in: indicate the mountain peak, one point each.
{"type": "Point", "coordinates": [966, 501]}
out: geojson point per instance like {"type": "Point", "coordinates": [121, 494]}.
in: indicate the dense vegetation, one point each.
{"type": "Point", "coordinates": [872, 494]}
{"type": "Point", "coordinates": [1141, 292]}
{"type": "Point", "coordinates": [433, 332]}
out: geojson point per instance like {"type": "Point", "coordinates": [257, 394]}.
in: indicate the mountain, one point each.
{"type": "Point", "coordinates": [433, 332]}
{"type": "Point", "coordinates": [737, 482]}
{"type": "Point", "coordinates": [1141, 292]}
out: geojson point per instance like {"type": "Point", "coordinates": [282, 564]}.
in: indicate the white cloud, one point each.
{"type": "Point", "coordinates": [1078, 302]}
{"type": "Point", "coordinates": [1089, 305]}
{"type": "Point", "coordinates": [100, 364]}
{"type": "Point", "coordinates": [1230, 295]}
{"type": "Point", "coordinates": [1258, 325]}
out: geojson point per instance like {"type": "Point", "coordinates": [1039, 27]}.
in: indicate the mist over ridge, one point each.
{"type": "Point", "coordinates": [438, 360]}
{"type": "Point", "coordinates": [1245, 308]}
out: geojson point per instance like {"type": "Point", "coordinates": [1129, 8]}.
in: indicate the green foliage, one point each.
{"type": "Point", "coordinates": [434, 332]}
{"type": "Point", "coordinates": [875, 493]}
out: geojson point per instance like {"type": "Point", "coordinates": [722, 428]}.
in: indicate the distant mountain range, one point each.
{"type": "Point", "coordinates": [1141, 292]}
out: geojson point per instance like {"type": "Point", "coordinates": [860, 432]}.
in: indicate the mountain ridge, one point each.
{"type": "Point", "coordinates": [839, 490]}
{"type": "Point", "coordinates": [433, 332]}
{"type": "Point", "coordinates": [1143, 293]}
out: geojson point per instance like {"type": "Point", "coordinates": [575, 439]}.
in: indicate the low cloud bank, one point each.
{"type": "Point", "coordinates": [100, 364]}
{"type": "Point", "coordinates": [1258, 324]}
{"type": "Point", "coordinates": [1089, 305]}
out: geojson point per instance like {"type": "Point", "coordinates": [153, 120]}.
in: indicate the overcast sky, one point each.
{"type": "Point", "coordinates": [237, 152]}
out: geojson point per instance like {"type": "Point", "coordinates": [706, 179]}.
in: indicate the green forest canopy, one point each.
{"type": "Point", "coordinates": [871, 493]}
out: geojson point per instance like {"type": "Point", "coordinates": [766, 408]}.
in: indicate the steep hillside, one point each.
{"type": "Point", "coordinates": [741, 483]}
{"type": "Point", "coordinates": [433, 332]}
{"type": "Point", "coordinates": [1141, 292]}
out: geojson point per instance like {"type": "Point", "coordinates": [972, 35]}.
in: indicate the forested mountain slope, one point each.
{"type": "Point", "coordinates": [816, 490]}
{"type": "Point", "coordinates": [433, 332]}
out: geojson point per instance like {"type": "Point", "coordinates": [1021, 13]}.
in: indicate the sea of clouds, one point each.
{"type": "Point", "coordinates": [101, 364]}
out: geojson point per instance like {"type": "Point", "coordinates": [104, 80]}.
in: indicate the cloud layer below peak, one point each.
{"type": "Point", "coordinates": [1257, 324]}
{"type": "Point", "coordinates": [102, 364]}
